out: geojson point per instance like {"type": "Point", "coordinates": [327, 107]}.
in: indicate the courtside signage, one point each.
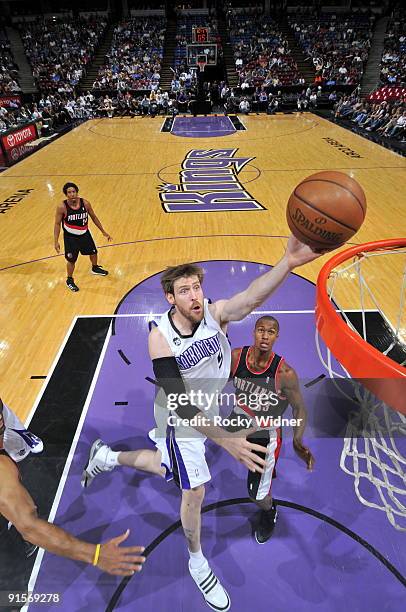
{"type": "Point", "coordinates": [19, 137]}
{"type": "Point", "coordinates": [208, 182]}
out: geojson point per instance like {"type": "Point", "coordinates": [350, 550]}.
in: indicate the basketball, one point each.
{"type": "Point", "coordinates": [326, 209]}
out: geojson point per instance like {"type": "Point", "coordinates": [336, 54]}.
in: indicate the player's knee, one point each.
{"type": "Point", "coordinates": [194, 497]}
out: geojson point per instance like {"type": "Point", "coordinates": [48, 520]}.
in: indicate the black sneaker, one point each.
{"type": "Point", "coordinates": [266, 525]}
{"type": "Point", "coordinates": [71, 284]}
{"type": "Point", "coordinates": [99, 270]}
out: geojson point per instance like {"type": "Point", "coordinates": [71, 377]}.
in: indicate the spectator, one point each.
{"type": "Point", "coordinates": [244, 106]}
{"type": "Point", "coordinates": [145, 106]}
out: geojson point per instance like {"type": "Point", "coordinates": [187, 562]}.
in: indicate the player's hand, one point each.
{"type": "Point", "coordinates": [298, 253]}
{"type": "Point", "coordinates": [241, 449]}
{"type": "Point", "coordinates": [120, 561]}
{"type": "Point", "coordinates": [109, 238]}
{"type": "Point", "coordinates": [304, 453]}
{"type": "Point", "coordinates": [57, 247]}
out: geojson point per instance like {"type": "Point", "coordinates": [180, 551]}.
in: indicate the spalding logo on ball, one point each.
{"type": "Point", "coordinates": [326, 209]}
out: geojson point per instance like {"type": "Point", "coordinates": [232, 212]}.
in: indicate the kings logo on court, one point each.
{"type": "Point", "coordinates": [208, 181]}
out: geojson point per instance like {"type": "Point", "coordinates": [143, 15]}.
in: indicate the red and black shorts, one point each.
{"type": "Point", "coordinates": [74, 245]}
{"type": "Point", "coordinates": [259, 485]}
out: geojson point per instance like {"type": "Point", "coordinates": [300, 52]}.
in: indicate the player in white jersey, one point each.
{"type": "Point", "coordinates": [187, 348]}
{"type": "Point", "coordinates": [204, 361]}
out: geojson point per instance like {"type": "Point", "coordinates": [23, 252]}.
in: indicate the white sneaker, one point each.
{"type": "Point", "coordinates": [97, 463]}
{"type": "Point", "coordinates": [35, 444]}
{"type": "Point", "coordinates": [214, 594]}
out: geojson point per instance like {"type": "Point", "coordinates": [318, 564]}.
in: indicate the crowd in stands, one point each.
{"type": "Point", "coordinates": [134, 60]}
{"type": "Point", "coordinates": [49, 112]}
{"type": "Point", "coordinates": [386, 118]}
{"type": "Point", "coordinates": [393, 63]}
{"type": "Point", "coordinates": [54, 111]}
{"type": "Point", "coordinates": [183, 81]}
{"type": "Point", "coordinates": [338, 45]}
{"type": "Point", "coordinates": [309, 99]}
{"type": "Point", "coordinates": [59, 50]}
{"type": "Point", "coordinates": [262, 54]}
{"type": "Point", "coordinates": [8, 69]}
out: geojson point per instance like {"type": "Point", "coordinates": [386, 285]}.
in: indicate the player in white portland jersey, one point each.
{"type": "Point", "coordinates": [174, 370]}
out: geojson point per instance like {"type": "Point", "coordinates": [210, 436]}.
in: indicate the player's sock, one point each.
{"type": "Point", "coordinates": [112, 458]}
{"type": "Point", "coordinates": [197, 559]}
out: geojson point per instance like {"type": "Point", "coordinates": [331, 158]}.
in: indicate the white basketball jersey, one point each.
{"type": "Point", "coordinates": [203, 358]}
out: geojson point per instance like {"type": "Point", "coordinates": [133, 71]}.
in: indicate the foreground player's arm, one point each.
{"type": "Point", "coordinates": [96, 220]}
{"type": "Point", "coordinates": [241, 304]}
{"type": "Point", "coordinates": [170, 379]}
{"type": "Point", "coordinates": [17, 506]}
{"type": "Point", "coordinates": [290, 388]}
{"type": "Point", "coordinates": [235, 357]}
{"type": "Point", "coordinates": [59, 215]}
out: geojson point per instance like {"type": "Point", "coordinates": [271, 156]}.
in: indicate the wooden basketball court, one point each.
{"type": "Point", "coordinates": [119, 165]}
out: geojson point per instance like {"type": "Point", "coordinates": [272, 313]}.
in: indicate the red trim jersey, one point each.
{"type": "Point", "coordinates": [75, 220]}
{"type": "Point", "coordinates": [258, 392]}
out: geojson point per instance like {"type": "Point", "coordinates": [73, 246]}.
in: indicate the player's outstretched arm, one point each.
{"type": "Point", "coordinates": [17, 506]}
{"type": "Point", "coordinates": [241, 304]}
{"type": "Point", "coordinates": [169, 378]}
{"type": "Point", "coordinates": [290, 387]}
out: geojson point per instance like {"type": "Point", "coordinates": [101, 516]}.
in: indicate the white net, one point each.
{"type": "Point", "coordinates": [374, 451]}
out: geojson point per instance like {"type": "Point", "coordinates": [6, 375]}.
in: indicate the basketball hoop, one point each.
{"type": "Point", "coordinates": [201, 62]}
{"type": "Point", "coordinates": [376, 383]}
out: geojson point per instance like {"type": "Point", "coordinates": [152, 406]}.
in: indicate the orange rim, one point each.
{"type": "Point", "coordinates": [380, 374]}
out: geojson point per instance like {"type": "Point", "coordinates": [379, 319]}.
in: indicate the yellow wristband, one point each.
{"type": "Point", "coordinates": [96, 555]}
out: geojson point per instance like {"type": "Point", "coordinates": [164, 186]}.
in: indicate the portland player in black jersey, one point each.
{"type": "Point", "coordinates": [264, 387]}
{"type": "Point", "coordinates": [17, 507]}
{"type": "Point", "coordinates": [73, 214]}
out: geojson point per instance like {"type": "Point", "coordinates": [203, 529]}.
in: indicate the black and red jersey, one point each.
{"type": "Point", "coordinates": [258, 392]}
{"type": "Point", "coordinates": [75, 221]}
